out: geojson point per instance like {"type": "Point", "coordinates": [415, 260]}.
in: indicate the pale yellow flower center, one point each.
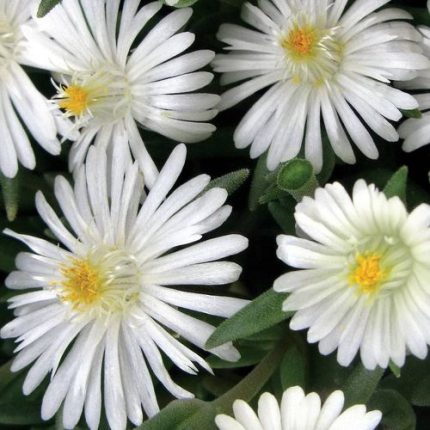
{"type": "Point", "coordinates": [300, 42]}
{"type": "Point", "coordinates": [312, 53]}
{"type": "Point", "coordinates": [75, 100]}
{"type": "Point", "coordinates": [103, 95]}
{"type": "Point", "coordinates": [105, 282]}
{"type": "Point", "coordinates": [367, 273]}
{"type": "Point", "coordinates": [83, 283]}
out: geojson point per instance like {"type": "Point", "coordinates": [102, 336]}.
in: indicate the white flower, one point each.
{"type": "Point", "coordinates": [318, 60]}
{"type": "Point", "coordinates": [20, 102]}
{"type": "Point", "coordinates": [105, 85]}
{"type": "Point", "coordinates": [366, 278]}
{"type": "Point", "coordinates": [103, 308]}
{"type": "Point", "coordinates": [416, 132]}
{"type": "Point", "coordinates": [299, 412]}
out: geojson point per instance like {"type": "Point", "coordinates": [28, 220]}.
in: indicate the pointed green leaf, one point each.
{"type": "Point", "coordinates": [231, 181]}
{"type": "Point", "coordinates": [248, 357]}
{"type": "Point", "coordinates": [180, 3]}
{"type": "Point", "coordinates": [10, 193]}
{"type": "Point", "coordinates": [397, 413]}
{"type": "Point", "coordinates": [263, 312]}
{"type": "Point", "coordinates": [361, 384]}
{"type": "Point", "coordinates": [46, 6]}
{"type": "Point", "coordinates": [413, 113]}
{"type": "Point", "coordinates": [396, 185]}
{"type": "Point", "coordinates": [421, 392]}
{"type": "Point", "coordinates": [283, 215]}
{"type": "Point", "coordinates": [395, 369]}
{"type": "Point", "coordinates": [259, 183]}
{"type": "Point", "coordinates": [293, 368]}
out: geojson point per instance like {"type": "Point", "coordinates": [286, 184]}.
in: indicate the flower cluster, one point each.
{"type": "Point", "coordinates": [111, 299]}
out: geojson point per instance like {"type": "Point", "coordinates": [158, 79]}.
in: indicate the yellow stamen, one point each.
{"type": "Point", "coordinates": [83, 284]}
{"type": "Point", "coordinates": [367, 274]}
{"type": "Point", "coordinates": [300, 42]}
{"type": "Point", "coordinates": [75, 100]}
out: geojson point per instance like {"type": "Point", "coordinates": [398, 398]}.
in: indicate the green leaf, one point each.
{"type": "Point", "coordinates": [329, 162]}
{"type": "Point", "coordinates": [414, 373]}
{"type": "Point", "coordinates": [395, 369]}
{"type": "Point", "coordinates": [284, 215]}
{"type": "Point", "coordinates": [413, 113]}
{"type": "Point", "coordinates": [396, 185]}
{"type": "Point", "coordinates": [10, 193]}
{"type": "Point", "coordinates": [361, 384]}
{"type": "Point", "coordinates": [421, 392]}
{"type": "Point", "coordinates": [297, 178]}
{"type": "Point", "coordinates": [293, 368]}
{"type": "Point", "coordinates": [46, 6]}
{"type": "Point", "coordinates": [15, 408]}
{"type": "Point", "coordinates": [248, 357]}
{"type": "Point", "coordinates": [231, 181]}
{"type": "Point", "coordinates": [180, 3]}
{"type": "Point", "coordinates": [259, 183]}
{"type": "Point", "coordinates": [397, 413]}
{"type": "Point", "coordinates": [263, 312]}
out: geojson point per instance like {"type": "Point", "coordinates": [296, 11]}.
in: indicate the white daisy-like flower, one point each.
{"type": "Point", "coordinates": [103, 309]}
{"type": "Point", "coordinates": [416, 132]}
{"type": "Point", "coordinates": [319, 61]}
{"type": "Point", "coordinates": [298, 411]}
{"type": "Point", "coordinates": [365, 282]}
{"type": "Point", "coordinates": [21, 104]}
{"type": "Point", "coordinates": [103, 84]}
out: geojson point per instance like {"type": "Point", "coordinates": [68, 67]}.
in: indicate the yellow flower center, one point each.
{"type": "Point", "coordinates": [313, 52]}
{"type": "Point", "coordinates": [367, 273]}
{"type": "Point", "coordinates": [75, 100]}
{"type": "Point", "coordinates": [300, 42]}
{"type": "Point", "coordinates": [83, 284]}
{"type": "Point", "coordinates": [105, 282]}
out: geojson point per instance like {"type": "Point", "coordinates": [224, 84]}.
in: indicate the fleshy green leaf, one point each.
{"type": "Point", "coordinates": [284, 215]}
{"type": "Point", "coordinates": [259, 183]}
{"type": "Point", "coordinates": [361, 384]}
{"type": "Point", "coordinates": [293, 368]}
{"type": "Point", "coordinates": [10, 193]}
{"type": "Point", "coordinates": [231, 181]}
{"type": "Point", "coordinates": [413, 113]}
{"type": "Point", "coordinates": [396, 185]}
{"type": "Point", "coordinates": [180, 3]}
{"type": "Point", "coordinates": [46, 6]}
{"type": "Point", "coordinates": [263, 312]}
{"type": "Point", "coordinates": [395, 369]}
{"type": "Point", "coordinates": [248, 357]}
{"type": "Point", "coordinates": [397, 413]}
{"type": "Point", "coordinates": [421, 392]}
